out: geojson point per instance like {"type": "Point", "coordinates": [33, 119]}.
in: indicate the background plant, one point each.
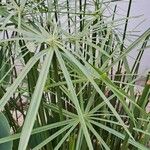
{"type": "Point", "coordinates": [65, 72]}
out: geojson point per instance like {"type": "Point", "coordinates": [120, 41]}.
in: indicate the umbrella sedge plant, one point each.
{"type": "Point", "coordinates": [65, 78]}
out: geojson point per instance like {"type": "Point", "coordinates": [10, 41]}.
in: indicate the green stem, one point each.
{"type": "Point", "coordinates": [58, 92]}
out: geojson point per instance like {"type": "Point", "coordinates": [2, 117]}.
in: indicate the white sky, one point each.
{"type": "Point", "coordinates": [139, 8]}
{"type": "Point", "coordinates": [143, 7]}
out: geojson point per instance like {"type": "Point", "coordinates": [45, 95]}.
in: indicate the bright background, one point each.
{"type": "Point", "coordinates": [139, 8]}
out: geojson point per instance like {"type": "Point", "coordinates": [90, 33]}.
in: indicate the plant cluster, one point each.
{"type": "Point", "coordinates": [65, 79]}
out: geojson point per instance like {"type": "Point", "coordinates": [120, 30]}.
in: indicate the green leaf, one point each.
{"type": "Point", "coordinates": [75, 100]}
{"type": "Point", "coordinates": [90, 78]}
{"type": "Point", "coordinates": [98, 137]}
{"type": "Point", "coordinates": [65, 136]}
{"type": "Point", "coordinates": [4, 131]}
{"type": "Point", "coordinates": [35, 102]}
{"type": "Point", "coordinates": [20, 78]}
{"type": "Point", "coordinates": [37, 130]}
{"type": "Point", "coordinates": [53, 136]}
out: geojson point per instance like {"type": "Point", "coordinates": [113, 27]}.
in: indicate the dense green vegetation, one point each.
{"type": "Point", "coordinates": [65, 79]}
